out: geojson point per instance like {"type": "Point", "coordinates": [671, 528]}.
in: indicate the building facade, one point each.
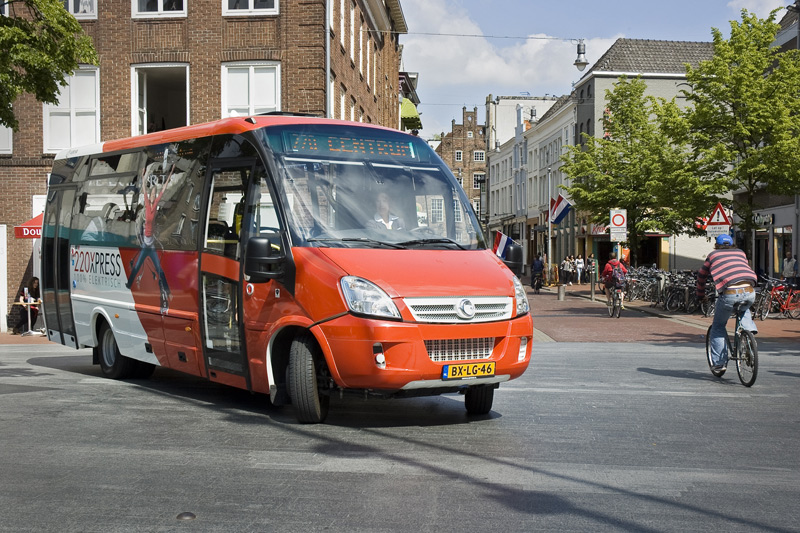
{"type": "Point", "coordinates": [463, 149]}
{"type": "Point", "coordinates": [531, 166]}
{"type": "Point", "coordinates": [170, 63]}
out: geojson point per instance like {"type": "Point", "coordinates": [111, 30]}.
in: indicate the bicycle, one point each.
{"type": "Point", "coordinates": [616, 302]}
{"type": "Point", "coordinates": [743, 349]}
{"type": "Point", "coordinates": [781, 298]}
{"type": "Point", "coordinates": [537, 282]}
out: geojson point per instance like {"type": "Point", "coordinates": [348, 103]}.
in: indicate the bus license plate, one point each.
{"type": "Point", "coordinates": [468, 371]}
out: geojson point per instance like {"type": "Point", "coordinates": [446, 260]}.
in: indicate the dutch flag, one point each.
{"type": "Point", "coordinates": [559, 209]}
{"type": "Point", "coordinates": [501, 244]}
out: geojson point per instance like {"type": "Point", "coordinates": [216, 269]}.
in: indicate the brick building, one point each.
{"type": "Point", "coordinates": [463, 149]}
{"type": "Point", "coordinates": [170, 63]}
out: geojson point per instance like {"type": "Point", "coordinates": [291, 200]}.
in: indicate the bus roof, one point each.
{"type": "Point", "coordinates": [231, 125]}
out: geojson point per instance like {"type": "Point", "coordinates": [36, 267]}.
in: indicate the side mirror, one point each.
{"type": "Point", "coordinates": [513, 259]}
{"type": "Point", "coordinates": [263, 260]}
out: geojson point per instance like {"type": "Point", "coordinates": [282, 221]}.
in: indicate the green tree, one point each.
{"type": "Point", "coordinates": [637, 167]}
{"type": "Point", "coordinates": [744, 116]}
{"type": "Point", "coordinates": [42, 45]}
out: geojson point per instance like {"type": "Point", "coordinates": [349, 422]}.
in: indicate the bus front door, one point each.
{"type": "Point", "coordinates": [220, 276]}
{"type": "Point", "coordinates": [56, 261]}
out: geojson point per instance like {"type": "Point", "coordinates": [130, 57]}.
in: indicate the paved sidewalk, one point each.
{"type": "Point", "coordinates": [577, 302]}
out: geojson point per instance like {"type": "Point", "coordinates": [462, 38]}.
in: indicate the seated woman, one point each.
{"type": "Point", "coordinates": [383, 218]}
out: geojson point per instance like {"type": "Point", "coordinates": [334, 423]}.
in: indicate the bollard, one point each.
{"type": "Point", "coordinates": [561, 292]}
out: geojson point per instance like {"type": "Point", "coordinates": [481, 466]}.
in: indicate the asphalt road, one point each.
{"type": "Point", "coordinates": [629, 436]}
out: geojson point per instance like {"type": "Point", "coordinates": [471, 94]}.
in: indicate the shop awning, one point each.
{"type": "Point", "coordinates": [31, 229]}
{"type": "Point", "coordinates": [409, 116]}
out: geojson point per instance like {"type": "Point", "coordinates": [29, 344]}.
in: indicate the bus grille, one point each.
{"type": "Point", "coordinates": [445, 310]}
{"type": "Point", "coordinates": [459, 349]}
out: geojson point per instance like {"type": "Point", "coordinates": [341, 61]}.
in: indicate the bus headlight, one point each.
{"type": "Point", "coordinates": [365, 298]}
{"type": "Point", "coordinates": [520, 297]}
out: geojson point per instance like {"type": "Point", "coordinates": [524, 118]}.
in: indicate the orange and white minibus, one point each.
{"type": "Point", "coordinates": [287, 255]}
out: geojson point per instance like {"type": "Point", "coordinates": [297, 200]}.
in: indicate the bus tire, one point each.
{"type": "Point", "coordinates": [310, 406]}
{"type": "Point", "coordinates": [478, 400]}
{"type": "Point", "coordinates": [113, 364]}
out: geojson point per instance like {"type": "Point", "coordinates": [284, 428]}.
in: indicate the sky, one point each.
{"type": "Point", "coordinates": [521, 47]}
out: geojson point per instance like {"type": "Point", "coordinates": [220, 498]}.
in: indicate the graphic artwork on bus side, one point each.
{"type": "Point", "coordinates": [153, 186]}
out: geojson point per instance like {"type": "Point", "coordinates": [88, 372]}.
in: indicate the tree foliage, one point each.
{"type": "Point", "coordinates": [743, 121]}
{"type": "Point", "coordinates": [42, 45]}
{"type": "Point", "coordinates": [636, 166]}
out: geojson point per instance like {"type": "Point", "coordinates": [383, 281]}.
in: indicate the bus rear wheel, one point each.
{"type": "Point", "coordinates": [305, 363]}
{"type": "Point", "coordinates": [113, 364]}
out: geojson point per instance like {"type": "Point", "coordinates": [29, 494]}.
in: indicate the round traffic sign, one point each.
{"type": "Point", "coordinates": [619, 218]}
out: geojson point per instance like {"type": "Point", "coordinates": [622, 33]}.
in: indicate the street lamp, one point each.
{"type": "Point", "coordinates": [581, 62]}
{"type": "Point", "coordinates": [549, 224]}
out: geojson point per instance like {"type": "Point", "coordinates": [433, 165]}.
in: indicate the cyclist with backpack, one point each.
{"type": "Point", "coordinates": [613, 276]}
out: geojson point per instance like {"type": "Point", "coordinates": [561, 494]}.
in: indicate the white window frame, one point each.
{"type": "Point", "coordinates": [250, 65]}
{"type": "Point", "coordinates": [160, 13]}
{"type": "Point", "coordinates": [135, 93]}
{"type": "Point", "coordinates": [479, 156]}
{"type": "Point", "coordinates": [80, 11]}
{"type": "Point", "coordinates": [47, 109]}
{"type": "Point", "coordinates": [459, 155]}
{"type": "Point", "coordinates": [353, 31]}
{"type": "Point", "coordinates": [6, 140]}
{"type": "Point", "coordinates": [475, 177]}
{"type": "Point", "coordinates": [226, 12]}
{"type": "Point", "coordinates": [469, 134]}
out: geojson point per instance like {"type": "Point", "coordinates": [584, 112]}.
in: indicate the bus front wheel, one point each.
{"type": "Point", "coordinates": [113, 364]}
{"type": "Point", "coordinates": [305, 363]}
{"type": "Point", "coordinates": [478, 400]}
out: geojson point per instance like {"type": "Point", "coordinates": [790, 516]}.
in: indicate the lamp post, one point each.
{"type": "Point", "coordinates": [549, 224]}
{"type": "Point", "coordinates": [581, 62]}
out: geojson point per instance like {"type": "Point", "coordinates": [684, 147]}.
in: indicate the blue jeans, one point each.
{"type": "Point", "coordinates": [722, 312]}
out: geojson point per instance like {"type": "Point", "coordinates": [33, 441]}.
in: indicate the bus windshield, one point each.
{"type": "Point", "coordinates": [368, 188]}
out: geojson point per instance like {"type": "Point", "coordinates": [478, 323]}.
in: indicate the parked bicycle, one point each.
{"type": "Point", "coordinates": [743, 350]}
{"type": "Point", "coordinates": [779, 297]}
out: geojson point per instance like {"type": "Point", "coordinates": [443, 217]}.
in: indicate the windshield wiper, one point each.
{"type": "Point", "coordinates": [442, 240]}
{"type": "Point", "coordinates": [358, 239]}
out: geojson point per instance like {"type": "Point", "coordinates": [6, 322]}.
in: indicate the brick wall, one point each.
{"type": "Point", "coordinates": [203, 40]}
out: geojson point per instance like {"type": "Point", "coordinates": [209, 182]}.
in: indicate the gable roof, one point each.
{"type": "Point", "coordinates": [647, 56]}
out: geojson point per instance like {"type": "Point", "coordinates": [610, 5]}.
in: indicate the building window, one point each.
{"type": "Point", "coordinates": [342, 103]}
{"type": "Point", "coordinates": [341, 22]}
{"type": "Point", "coordinates": [160, 96]}
{"type": "Point", "coordinates": [479, 156]}
{"type": "Point", "coordinates": [249, 89]}
{"type": "Point", "coordinates": [159, 8]}
{"type": "Point", "coordinates": [460, 180]}
{"type": "Point", "coordinates": [437, 210]}
{"type": "Point", "coordinates": [476, 206]}
{"type": "Point", "coordinates": [459, 156]}
{"type": "Point", "coordinates": [75, 119]}
{"type": "Point", "coordinates": [469, 135]}
{"type": "Point", "coordinates": [477, 179]}
{"type": "Point", "coordinates": [80, 9]}
{"type": "Point", "coordinates": [352, 31]}
{"type": "Point", "coordinates": [5, 140]}
{"type": "Point", "coordinates": [249, 7]}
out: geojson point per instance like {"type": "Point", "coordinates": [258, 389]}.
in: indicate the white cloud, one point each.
{"type": "Point", "coordinates": [761, 8]}
{"type": "Point", "coordinates": [458, 71]}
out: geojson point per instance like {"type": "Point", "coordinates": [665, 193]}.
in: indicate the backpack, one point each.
{"type": "Point", "coordinates": [618, 276]}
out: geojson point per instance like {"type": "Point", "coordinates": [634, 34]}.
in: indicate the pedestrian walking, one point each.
{"type": "Point", "coordinates": [789, 270]}
{"type": "Point", "coordinates": [579, 266]}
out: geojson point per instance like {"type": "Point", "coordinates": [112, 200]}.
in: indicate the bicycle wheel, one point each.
{"type": "Point", "coordinates": [716, 373]}
{"type": "Point", "coordinates": [747, 358]}
{"type": "Point", "coordinates": [707, 306]}
{"type": "Point", "coordinates": [673, 302]}
{"type": "Point", "coordinates": [611, 308]}
{"type": "Point", "coordinates": [617, 304]}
